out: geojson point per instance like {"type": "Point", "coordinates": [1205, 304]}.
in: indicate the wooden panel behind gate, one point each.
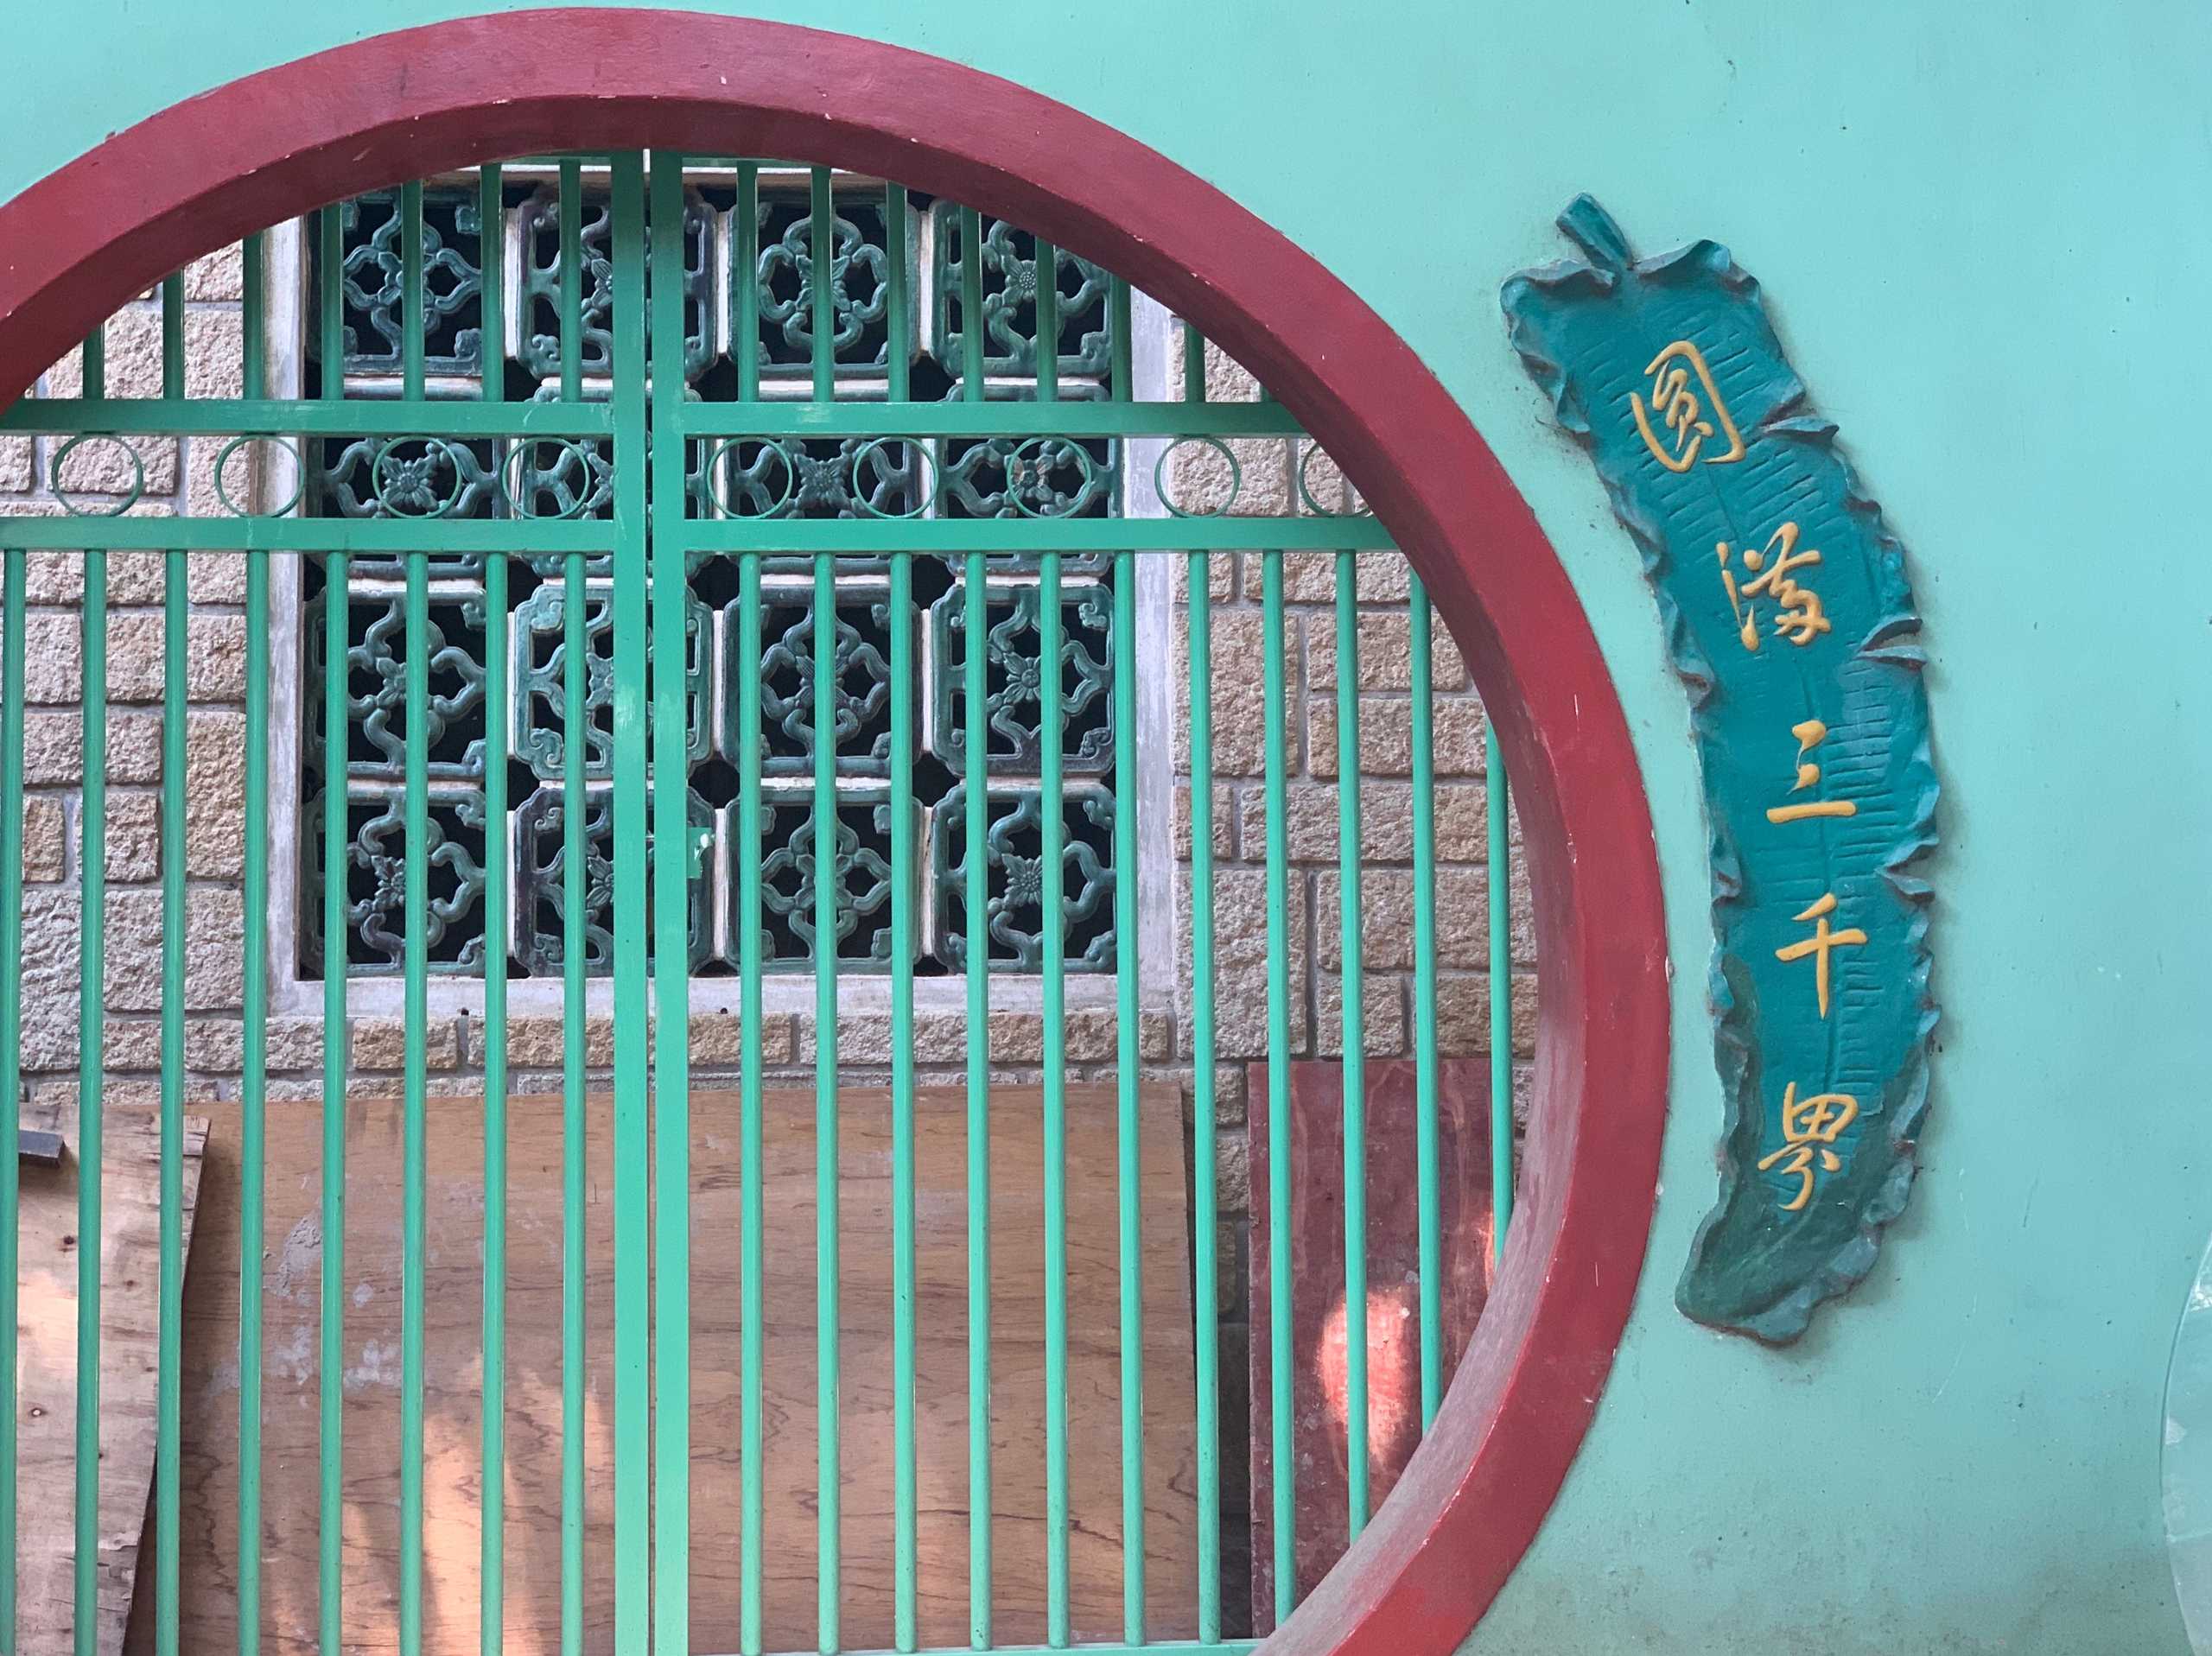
{"type": "Point", "coordinates": [454, 1299]}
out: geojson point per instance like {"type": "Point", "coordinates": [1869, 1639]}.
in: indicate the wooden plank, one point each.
{"type": "Point", "coordinates": [46, 1548]}
{"type": "Point", "coordinates": [452, 1410]}
{"type": "Point", "coordinates": [1318, 1324]}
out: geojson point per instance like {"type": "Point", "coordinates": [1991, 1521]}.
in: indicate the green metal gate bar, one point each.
{"type": "Point", "coordinates": [619, 400]}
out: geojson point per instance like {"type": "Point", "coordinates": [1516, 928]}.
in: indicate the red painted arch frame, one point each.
{"type": "Point", "coordinates": [82, 241]}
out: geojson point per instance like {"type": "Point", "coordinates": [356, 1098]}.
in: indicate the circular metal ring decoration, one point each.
{"type": "Point", "coordinates": [403, 486]}
{"type": "Point", "coordinates": [68, 497]}
{"type": "Point", "coordinates": [1235, 477]}
{"type": "Point", "coordinates": [1306, 492]}
{"type": "Point", "coordinates": [719, 497]}
{"type": "Point", "coordinates": [514, 492]}
{"type": "Point", "coordinates": [223, 489]}
{"type": "Point", "coordinates": [925, 463]}
{"type": "Point", "coordinates": [1028, 474]}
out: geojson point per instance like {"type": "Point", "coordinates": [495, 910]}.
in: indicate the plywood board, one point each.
{"type": "Point", "coordinates": [46, 1546]}
{"type": "Point", "coordinates": [454, 1419]}
{"type": "Point", "coordinates": [1320, 1326]}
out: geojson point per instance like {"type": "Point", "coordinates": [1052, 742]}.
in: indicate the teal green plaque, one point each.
{"type": "Point", "coordinates": [1789, 617]}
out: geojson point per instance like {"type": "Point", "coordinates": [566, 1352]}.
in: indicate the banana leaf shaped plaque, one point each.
{"type": "Point", "coordinates": [1789, 617]}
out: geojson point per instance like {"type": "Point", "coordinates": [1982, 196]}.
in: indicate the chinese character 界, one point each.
{"type": "Point", "coordinates": [1810, 1127]}
{"type": "Point", "coordinates": [1674, 426]}
{"type": "Point", "coordinates": [1799, 618]}
{"type": "Point", "coordinates": [1824, 940]}
{"type": "Point", "coordinates": [1809, 734]}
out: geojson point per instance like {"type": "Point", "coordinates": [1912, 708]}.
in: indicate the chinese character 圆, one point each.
{"type": "Point", "coordinates": [1771, 574]}
{"type": "Point", "coordinates": [1674, 425]}
{"type": "Point", "coordinates": [1824, 940]}
{"type": "Point", "coordinates": [1810, 1127]}
{"type": "Point", "coordinates": [1809, 734]}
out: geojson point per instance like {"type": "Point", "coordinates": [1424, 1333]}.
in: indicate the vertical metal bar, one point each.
{"type": "Point", "coordinates": [904, 893]}
{"type": "Point", "coordinates": [753, 1217]}
{"type": "Point", "coordinates": [1429, 1176]}
{"type": "Point", "coordinates": [1053, 921]}
{"type": "Point", "coordinates": [972, 305]}
{"type": "Point", "coordinates": [491, 380]}
{"type": "Point", "coordinates": [336, 689]}
{"type": "Point", "coordinates": [576, 873]}
{"type": "Point", "coordinates": [173, 337]}
{"type": "Point", "coordinates": [253, 1099]}
{"type": "Point", "coordinates": [1118, 353]}
{"type": "Point", "coordinates": [822, 284]}
{"type": "Point", "coordinates": [899, 349]}
{"type": "Point", "coordinates": [254, 293]}
{"type": "Point", "coordinates": [14, 570]}
{"type": "Point", "coordinates": [1047, 268]}
{"type": "Point", "coordinates": [1203, 1219]}
{"type": "Point", "coordinates": [1353, 985]}
{"type": "Point", "coordinates": [412, 345]}
{"type": "Point", "coordinates": [572, 281]}
{"type": "Point", "coordinates": [672, 848]}
{"type": "Point", "coordinates": [975, 739]}
{"type": "Point", "coordinates": [90, 1158]}
{"type": "Point", "coordinates": [1282, 1399]}
{"type": "Point", "coordinates": [745, 299]}
{"type": "Point", "coordinates": [95, 374]}
{"type": "Point", "coordinates": [415, 962]}
{"type": "Point", "coordinates": [1129, 1012]}
{"type": "Point", "coordinates": [1128, 1144]}
{"type": "Point", "coordinates": [1194, 363]}
{"type": "Point", "coordinates": [829, 1497]}
{"type": "Point", "coordinates": [576, 831]}
{"type": "Point", "coordinates": [170, 1371]}
{"type": "Point", "coordinates": [1500, 882]}
{"type": "Point", "coordinates": [632, 1134]}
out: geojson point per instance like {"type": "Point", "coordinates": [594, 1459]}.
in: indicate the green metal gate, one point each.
{"type": "Point", "coordinates": [608, 489]}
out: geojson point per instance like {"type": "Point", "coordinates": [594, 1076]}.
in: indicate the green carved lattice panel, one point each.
{"type": "Point", "coordinates": [1014, 679]}
{"type": "Point", "coordinates": [398, 476]}
{"type": "Point", "coordinates": [1014, 857]}
{"type": "Point", "coordinates": [542, 898]}
{"type": "Point", "coordinates": [538, 654]}
{"type": "Point", "coordinates": [1011, 280]}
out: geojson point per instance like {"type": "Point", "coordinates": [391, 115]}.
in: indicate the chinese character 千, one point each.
{"type": "Point", "coordinates": [1824, 940]}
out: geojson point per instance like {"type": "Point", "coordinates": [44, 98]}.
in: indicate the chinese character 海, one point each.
{"type": "Point", "coordinates": [1810, 1127]}
{"type": "Point", "coordinates": [1798, 618]}
{"type": "Point", "coordinates": [1674, 426]}
{"type": "Point", "coordinates": [1809, 735]}
{"type": "Point", "coordinates": [1824, 940]}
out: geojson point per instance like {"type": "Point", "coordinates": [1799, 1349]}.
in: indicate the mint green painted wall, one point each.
{"type": "Point", "coordinates": [1986, 233]}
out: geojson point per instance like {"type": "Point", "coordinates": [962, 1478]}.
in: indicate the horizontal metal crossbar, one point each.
{"type": "Point", "coordinates": [389, 535]}
{"type": "Point", "coordinates": [978, 419]}
{"type": "Point", "coordinates": [945, 536]}
{"type": "Point", "coordinates": [370, 417]}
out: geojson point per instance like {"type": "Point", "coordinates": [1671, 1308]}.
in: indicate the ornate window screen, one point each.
{"type": "Point", "coordinates": [741, 222]}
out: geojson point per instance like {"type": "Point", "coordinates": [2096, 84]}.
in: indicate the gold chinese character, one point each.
{"type": "Point", "coordinates": [1674, 409]}
{"type": "Point", "coordinates": [1810, 1127]}
{"type": "Point", "coordinates": [1799, 618]}
{"type": "Point", "coordinates": [1818, 945]}
{"type": "Point", "coordinates": [1809, 735]}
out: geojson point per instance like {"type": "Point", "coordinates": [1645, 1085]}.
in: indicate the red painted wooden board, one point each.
{"type": "Point", "coordinates": [1319, 1322]}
